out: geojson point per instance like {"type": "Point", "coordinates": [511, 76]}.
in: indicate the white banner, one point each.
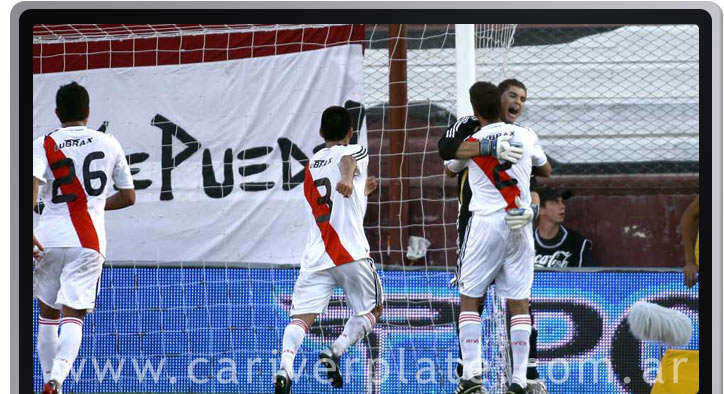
{"type": "Point", "coordinates": [216, 150]}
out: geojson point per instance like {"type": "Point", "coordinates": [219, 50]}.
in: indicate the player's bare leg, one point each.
{"type": "Point", "coordinates": [470, 345]}
{"type": "Point", "coordinates": [47, 337]}
{"type": "Point", "coordinates": [356, 328]}
{"type": "Point", "coordinates": [71, 334]}
{"type": "Point", "coordinates": [294, 334]}
{"type": "Point", "coordinates": [520, 327]}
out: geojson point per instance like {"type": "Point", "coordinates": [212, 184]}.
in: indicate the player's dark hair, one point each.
{"type": "Point", "coordinates": [508, 83]}
{"type": "Point", "coordinates": [485, 99]}
{"type": "Point", "coordinates": [335, 123]}
{"type": "Point", "coordinates": [72, 102]}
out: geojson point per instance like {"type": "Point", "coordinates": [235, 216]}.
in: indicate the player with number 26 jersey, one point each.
{"type": "Point", "coordinates": [77, 166]}
{"type": "Point", "coordinates": [336, 234]}
{"type": "Point", "coordinates": [74, 168]}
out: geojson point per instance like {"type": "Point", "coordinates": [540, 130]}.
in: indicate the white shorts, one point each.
{"type": "Point", "coordinates": [491, 251]}
{"type": "Point", "coordinates": [68, 276]}
{"type": "Point", "coordinates": [358, 279]}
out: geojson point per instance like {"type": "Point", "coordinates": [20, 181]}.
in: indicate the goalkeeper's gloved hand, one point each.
{"type": "Point", "coordinates": [501, 148]}
{"type": "Point", "coordinates": [519, 217]}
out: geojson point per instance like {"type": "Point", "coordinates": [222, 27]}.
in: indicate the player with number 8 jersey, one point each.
{"type": "Point", "coordinates": [337, 252]}
{"type": "Point", "coordinates": [74, 167]}
{"type": "Point", "coordinates": [341, 238]}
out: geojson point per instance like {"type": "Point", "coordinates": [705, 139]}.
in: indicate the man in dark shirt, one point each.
{"type": "Point", "coordinates": [556, 245]}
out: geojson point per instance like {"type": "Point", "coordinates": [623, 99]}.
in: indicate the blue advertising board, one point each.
{"type": "Point", "coordinates": [219, 330]}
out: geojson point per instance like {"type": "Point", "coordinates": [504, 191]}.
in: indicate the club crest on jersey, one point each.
{"type": "Point", "coordinates": [320, 163]}
{"type": "Point", "coordinates": [73, 143]}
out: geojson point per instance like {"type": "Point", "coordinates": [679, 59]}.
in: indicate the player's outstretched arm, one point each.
{"type": "Point", "coordinates": [347, 165]}
{"type": "Point", "coordinates": [689, 229]}
{"type": "Point", "coordinates": [123, 198]}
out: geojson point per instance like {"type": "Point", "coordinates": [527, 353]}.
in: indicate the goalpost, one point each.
{"type": "Point", "coordinates": [213, 323]}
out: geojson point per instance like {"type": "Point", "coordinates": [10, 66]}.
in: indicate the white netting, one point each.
{"type": "Point", "coordinates": [431, 207]}
{"type": "Point", "coordinates": [60, 33]}
{"type": "Point", "coordinates": [611, 99]}
{"type": "Point", "coordinates": [492, 49]}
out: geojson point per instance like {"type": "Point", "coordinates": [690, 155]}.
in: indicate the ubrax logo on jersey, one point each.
{"type": "Point", "coordinates": [73, 142]}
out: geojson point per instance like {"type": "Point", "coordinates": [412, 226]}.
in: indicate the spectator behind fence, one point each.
{"type": "Point", "coordinates": [556, 245]}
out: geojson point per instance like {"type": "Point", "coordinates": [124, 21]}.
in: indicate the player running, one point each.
{"type": "Point", "coordinates": [337, 252]}
{"type": "Point", "coordinates": [71, 169]}
{"type": "Point", "coordinates": [513, 97]}
{"type": "Point", "coordinates": [498, 241]}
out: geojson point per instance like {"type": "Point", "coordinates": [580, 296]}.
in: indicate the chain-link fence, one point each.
{"type": "Point", "coordinates": [618, 100]}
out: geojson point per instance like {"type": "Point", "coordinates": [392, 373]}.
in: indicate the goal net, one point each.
{"type": "Point", "coordinates": [217, 122]}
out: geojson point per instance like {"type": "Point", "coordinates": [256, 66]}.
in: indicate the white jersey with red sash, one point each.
{"type": "Point", "coordinates": [490, 251]}
{"type": "Point", "coordinates": [75, 166]}
{"type": "Point", "coordinates": [496, 183]}
{"type": "Point", "coordinates": [336, 235]}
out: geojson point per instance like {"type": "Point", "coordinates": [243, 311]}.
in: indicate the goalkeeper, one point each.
{"type": "Point", "coordinates": [453, 145]}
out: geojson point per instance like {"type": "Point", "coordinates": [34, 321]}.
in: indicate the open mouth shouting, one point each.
{"type": "Point", "coordinates": [512, 113]}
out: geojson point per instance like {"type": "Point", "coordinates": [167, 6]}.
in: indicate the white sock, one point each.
{"type": "Point", "coordinates": [47, 344]}
{"type": "Point", "coordinates": [71, 333]}
{"type": "Point", "coordinates": [355, 329]}
{"type": "Point", "coordinates": [520, 345]}
{"type": "Point", "coordinates": [470, 346]}
{"type": "Point", "coordinates": [293, 337]}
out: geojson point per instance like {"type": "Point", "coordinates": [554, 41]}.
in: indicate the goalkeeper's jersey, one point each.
{"type": "Point", "coordinates": [336, 235]}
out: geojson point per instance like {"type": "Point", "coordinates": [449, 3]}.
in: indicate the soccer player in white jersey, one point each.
{"type": "Point", "coordinates": [513, 97]}
{"type": "Point", "coordinates": [498, 243]}
{"type": "Point", "coordinates": [337, 251]}
{"type": "Point", "coordinates": [72, 167]}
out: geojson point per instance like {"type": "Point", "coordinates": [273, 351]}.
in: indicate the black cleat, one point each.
{"type": "Point", "coordinates": [331, 362]}
{"type": "Point", "coordinates": [282, 383]}
{"type": "Point", "coordinates": [471, 386]}
{"type": "Point", "coordinates": [515, 389]}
